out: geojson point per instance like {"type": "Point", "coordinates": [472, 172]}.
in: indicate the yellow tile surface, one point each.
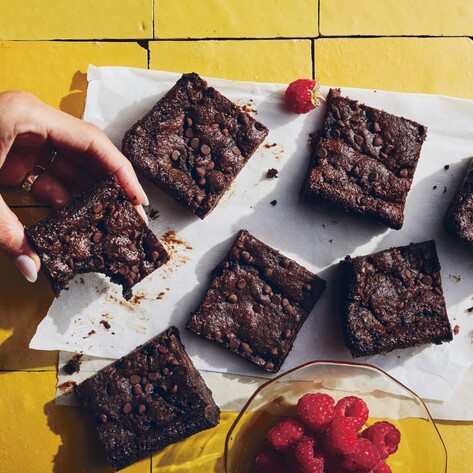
{"type": "Point", "coordinates": [425, 65]}
{"type": "Point", "coordinates": [38, 436]}
{"type": "Point", "coordinates": [396, 17]}
{"type": "Point", "coordinates": [22, 306]}
{"type": "Point", "coordinates": [65, 19]}
{"type": "Point", "coordinates": [260, 61]}
{"type": "Point", "coordinates": [235, 18]}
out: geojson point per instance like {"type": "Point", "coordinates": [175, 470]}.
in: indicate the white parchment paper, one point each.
{"type": "Point", "coordinates": [316, 236]}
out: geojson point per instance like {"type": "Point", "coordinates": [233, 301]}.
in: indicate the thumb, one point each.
{"type": "Point", "coordinates": [14, 243]}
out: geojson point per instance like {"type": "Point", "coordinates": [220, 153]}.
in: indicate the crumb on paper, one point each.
{"type": "Point", "coordinates": [435, 187]}
{"type": "Point", "coordinates": [272, 173]}
{"type": "Point", "coordinates": [470, 309]}
{"type": "Point", "coordinates": [92, 332]}
{"type": "Point", "coordinates": [67, 386]}
{"type": "Point", "coordinates": [73, 365]}
{"type": "Point", "coordinates": [446, 167]}
{"type": "Point", "coordinates": [153, 214]}
{"type": "Point", "coordinates": [274, 202]}
{"type": "Point", "coordinates": [160, 295]}
{"type": "Point", "coordinates": [276, 149]}
{"type": "Point", "coordinates": [105, 324]}
{"type": "Point", "coordinates": [330, 241]}
{"type": "Point", "coordinates": [81, 279]}
{"type": "Point", "coordinates": [456, 278]}
{"type": "Point", "coordinates": [247, 106]}
{"type": "Point", "coordinates": [445, 189]}
{"type": "Point", "coordinates": [269, 145]}
{"type": "Point", "coordinates": [334, 222]}
{"type": "Point", "coordinates": [456, 329]}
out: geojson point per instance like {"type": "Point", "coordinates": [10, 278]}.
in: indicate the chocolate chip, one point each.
{"type": "Point", "coordinates": [389, 148]}
{"type": "Point", "coordinates": [401, 305]}
{"type": "Point", "coordinates": [403, 172]}
{"type": "Point", "coordinates": [189, 133]}
{"type": "Point", "coordinates": [285, 263]}
{"type": "Point", "coordinates": [244, 118]}
{"type": "Point", "coordinates": [210, 166]}
{"type": "Point", "coordinates": [165, 371]}
{"type": "Point", "coordinates": [246, 256]}
{"type": "Point", "coordinates": [289, 309]}
{"type": "Point", "coordinates": [137, 389]}
{"type": "Point", "coordinates": [152, 376]}
{"type": "Point", "coordinates": [102, 418]}
{"type": "Point", "coordinates": [97, 208]}
{"type": "Point", "coordinates": [134, 234]}
{"type": "Point", "coordinates": [377, 141]}
{"type": "Point", "coordinates": [126, 363]}
{"type": "Point", "coordinates": [174, 389]}
{"type": "Point", "coordinates": [241, 284]}
{"type": "Point", "coordinates": [269, 366]}
{"type": "Point", "coordinates": [148, 388]}
{"type": "Point", "coordinates": [66, 239]}
{"type": "Point", "coordinates": [154, 255]}
{"type": "Point", "coordinates": [133, 276]}
{"type": "Point", "coordinates": [336, 134]}
{"type": "Point", "coordinates": [276, 299]}
{"type": "Point", "coordinates": [200, 171]}
{"type": "Point", "coordinates": [162, 349]}
{"type": "Point", "coordinates": [205, 150]}
{"type": "Point", "coordinates": [356, 171]}
{"type": "Point", "coordinates": [359, 140]}
{"type": "Point", "coordinates": [174, 362]}
{"type": "Point", "coordinates": [135, 379]}
{"type": "Point", "coordinates": [232, 298]}
{"type": "Point", "coordinates": [175, 155]}
{"type": "Point", "coordinates": [231, 336]}
{"type": "Point", "coordinates": [287, 333]}
{"type": "Point", "coordinates": [225, 132]}
{"type": "Point", "coordinates": [364, 200]}
{"type": "Point", "coordinates": [135, 268]}
{"type": "Point", "coordinates": [383, 155]}
{"type": "Point", "coordinates": [138, 130]}
{"type": "Point", "coordinates": [202, 181]}
{"type": "Point", "coordinates": [195, 143]}
{"type": "Point", "coordinates": [373, 176]}
{"type": "Point", "coordinates": [427, 280]}
{"type": "Point", "coordinates": [141, 409]}
{"type": "Point", "coordinates": [245, 347]}
{"type": "Point", "coordinates": [322, 153]}
{"type": "Point", "coordinates": [273, 351]}
{"type": "Point", "coordinates": [376, 127]}
{"type": "Point", "coordinates": [143, 381]}
{"type": "Point", "coordinates": [307, 287]}
{"type": "Point", "coordinates": [236, 151]}
{"type": "Point", "coordinates": [234, 344]}
{"type": "Point", "coordinates": [132, 247]}
{"type": "Point", "coordinates": [437, 290]}
{"type": "Point", "coordinates": [70, 263]}
{"type": "Point", "coordinates": [266, 289]}
{"type": "Point", "coordinates": [189, 121]}
{"type": "Point", "coordinates": [219, 118]}
{"type": "Point", "coordinates": [96, 237]}
{"type": "Point", "coordinates": [218, 335]}
{"type": "Point", "coordinates": [340, 123]}
{"type": "Point", "coordinates": [127, 408]}
{"type": "Point", "coordinates": [285, 302]}
{"type": "Point", "coordinates": [268, 272]}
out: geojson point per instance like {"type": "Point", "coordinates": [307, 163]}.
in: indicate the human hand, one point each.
{"type": "Point", "coordinates": [30, 132]}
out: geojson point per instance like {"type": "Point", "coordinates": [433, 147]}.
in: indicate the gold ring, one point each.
{"type": "Point", "coordinates": [31, 177]}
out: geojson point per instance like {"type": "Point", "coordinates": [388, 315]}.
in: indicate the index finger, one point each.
{"type": "Point", "coordinates": [89, 147]}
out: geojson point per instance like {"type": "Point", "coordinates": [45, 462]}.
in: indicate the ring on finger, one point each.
{"type": "Point", "coordinates": [31, 177]}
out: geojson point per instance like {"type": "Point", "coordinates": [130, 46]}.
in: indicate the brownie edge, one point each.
{"type": "Point", "coordinates": [147, 400]}
{"type": "Point", "coordinates": [393, 299]}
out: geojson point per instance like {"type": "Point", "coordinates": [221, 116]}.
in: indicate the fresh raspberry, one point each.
{"type": "Point", "coordinates": [316, 410]}
{"type": "Point", "coordinates": [382, 468]}
{"type": "Point", "coordinates": [353, 407]}
{"type": "Point", "coordinates": [364, 458]}
{"type": "Point", "coordinates": [384, 436]}
{"type": "Point", "coordinates": [285, 433]}
{"type": "Point", "coordinates": [269, 461]}
{"type": "Point", "coordinates": [341, 436]}
{"type": "Point", "coordinates": [303, 95]}
{"type": "Point", "coordinates": [306, 459]}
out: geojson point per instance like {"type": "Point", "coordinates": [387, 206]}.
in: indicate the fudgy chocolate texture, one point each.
{"type": "Point", "coordinates": [459, 218]}
{"type": "Point", "coordinates": [393, 299]}
{"type": "Point", "coordinates": [193, 143]}
{"type": "Point", "coordinates": [257, 303]}
{"type": "Point", "coordinates": [98, 231]}
{"type": "Point", "coordinates": [364, 160]}
{"type": "Point", "coordinates": [149, 399]}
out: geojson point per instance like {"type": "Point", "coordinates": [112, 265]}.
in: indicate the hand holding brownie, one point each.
{"type": "Point", "coordinates": [53, 155]}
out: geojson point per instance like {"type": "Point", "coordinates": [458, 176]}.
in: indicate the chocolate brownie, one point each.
{"type": "Point", "coordinates": [257, 303]}
{"type": "Point", "coordinates": [459, 218]}
{"type": "Point", "coordinates": [98, 231]}
{"type": "Point", "coordinates": [147, 400]}
{"type": "Point", "coordinates": [364, 160]}
{"type": "Point", "coordinates": [393, 299]}
{"type": "Point", "coordinates": [193, 143]}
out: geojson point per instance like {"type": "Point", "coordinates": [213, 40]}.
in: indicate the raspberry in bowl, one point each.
{"type": "Point", "coordinates": [325, 417]}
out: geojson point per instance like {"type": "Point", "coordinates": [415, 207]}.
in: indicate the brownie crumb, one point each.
{"type": "Point", "coordinates": [153, 214]}
{"type": "Point", "coordinates": [105, 324]}
{"type": "Point", "coordinates": [274, 202]}
{"type": "Point", "coordinates": [470, 309]}
{"type": "Point", "coordinates": [444, 189]}
{"type": "Point", "coordinates": [92, 332]}
{"type": "Point", "coordinates": [435, 187]}
{"type": "Point", "coordinates": [456, 329]}
{"type": "Point", "coordinates": [67, 386]}
{"type": "Point", "coordinates": [73, 365]}
{"type": "Point", "coordinates": [272, 173]}
{"type": "Point", "coordinates": [447, 166]}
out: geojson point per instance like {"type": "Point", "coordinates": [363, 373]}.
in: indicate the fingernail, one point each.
{"type": "Point", "coordinates": [145, 199]}
{"type": "Point", "coordinates": [142, 212]}
{"type": "Point", "coordinates": [27, 267]}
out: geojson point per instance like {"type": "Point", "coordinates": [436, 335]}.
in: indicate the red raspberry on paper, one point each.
{"type": "Point", "coordinates": [285, 433]}
{"type": "Point", "coordinates": [341, 436]}
{"type": "Point", "coordinates": [303, 95]}
{"type": "Point", "coordinates": [354, 408]}
{"type": "Point", "coordinates": [269, 461]}
{"type": "Point", "coordinates": [384, 436]}
{"type": "Point", "coordinates": [364, 458]}
{"type": "Point", "coordinates": [316, 410]}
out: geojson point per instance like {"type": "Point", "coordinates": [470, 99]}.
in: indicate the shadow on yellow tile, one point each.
{"type": "Point", "coordinates": [74, 102]}
{"type": "Point", "coordinates": [80, 449]}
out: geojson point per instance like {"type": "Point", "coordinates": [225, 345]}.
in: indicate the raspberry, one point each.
{"type": "Point", "coordinates": [384, 436]}
{"type": "Point", "coordinates": [306, 459]}
{"type": "Point", "coordinates": [302, 95]}
{"type": "Point", "coordinates": [285, 433]}
{"type": "Point", "coordinates": [364, 458]}
{"type": "Point", "coordinates": [353, 407]}
{"type": "Point", "coordinates": [316, 410]}
{"type": "Point", "coordinates": [382, 468]}
{"type": "Point", "coordinates": [269, 462]}
{"type": "Point", "coordinates": [341, 436]}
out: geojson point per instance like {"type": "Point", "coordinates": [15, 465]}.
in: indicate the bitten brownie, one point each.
{"type": "Point", "coordinates": [459, 218]}
{"type": "Point", "coordinates": [149, 399]}
{"type": "Point", "coordinates": [193, 143]}
{"type": "Point", "coordinates": [363, 160]}
{"type": "Point", "coordinates": [393, 299]}
{"type": "Point", "coordinates": [98, 231]}
{"type": "Point", "coordinates": [257, 303]}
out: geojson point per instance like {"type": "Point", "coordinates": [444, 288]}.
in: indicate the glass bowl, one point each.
{"type": "Point", "coordinates": [421, 447]}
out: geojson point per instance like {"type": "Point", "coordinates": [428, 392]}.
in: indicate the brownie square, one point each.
{"type": "Point", "coordinates": [257, 303]}
{"type": "Point", "coordinates": [147, 400]}
{"type": "Point", "coordinates": [393, 299]}
{"type": "Point", "coordinates": [98, 231]}
{"type": "Point", "coordinates": [459, 218]}
{"type": "Point", "coordinates": [364, 160]}
{"type": "Point", "coordinates": [193, 143]}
